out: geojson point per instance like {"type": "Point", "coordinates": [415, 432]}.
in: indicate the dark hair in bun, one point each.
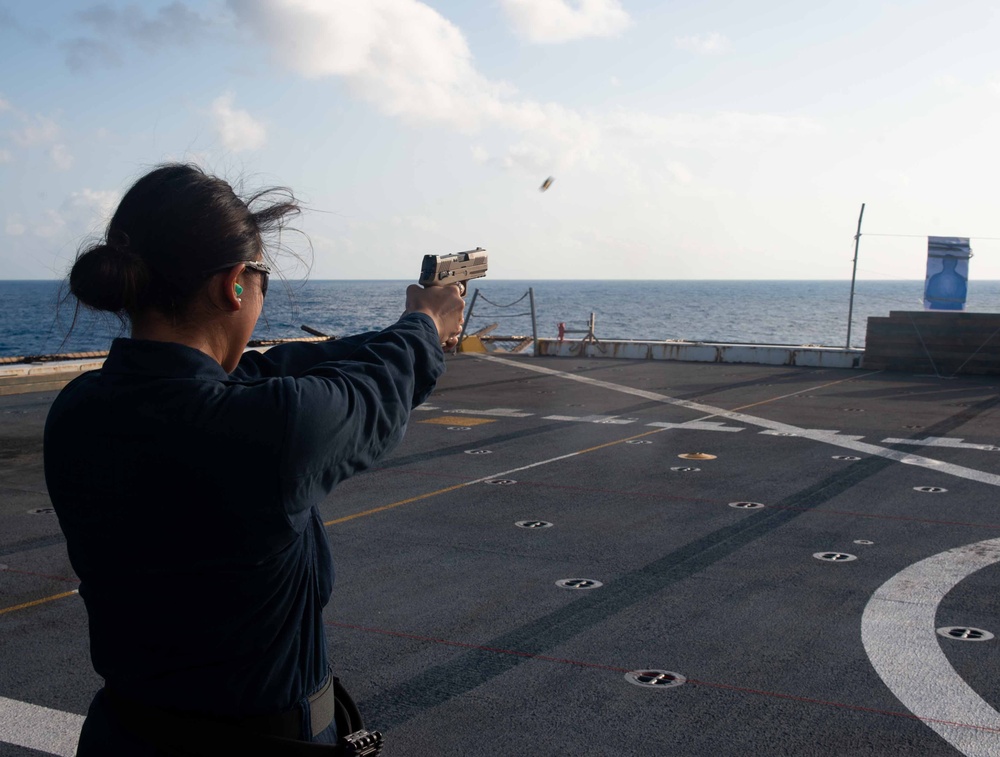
{"type": "Point", "coordinates": [173, 228]}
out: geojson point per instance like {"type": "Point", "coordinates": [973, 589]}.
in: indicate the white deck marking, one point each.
{"type": "Point", "coordinates": [827, 437]}
{"type": "Point", "coordinates": [612, 419]}
{"type": "Point", "coordinates": [898, 632]}
{"type": "Point", "coordinates": [500, 412]}
{"type": "Point", "coordinates": [40, 728]}
{"type": "Point", "coordinates": [943, 441]}
{"type": "Point", "coordinates": [697, 426]}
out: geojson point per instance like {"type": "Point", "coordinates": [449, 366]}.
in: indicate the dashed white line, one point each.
{"type": "Point", "coordinates": [943, 441]}
{"type": "Point", "coordinates": [827, 437]}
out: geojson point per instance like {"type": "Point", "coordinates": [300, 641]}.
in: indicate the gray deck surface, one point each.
{"type": "Point", "coordinates": [449, 628]}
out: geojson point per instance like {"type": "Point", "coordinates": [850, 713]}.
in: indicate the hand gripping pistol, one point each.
{"type": "Point", "coordinates": [457, 268]}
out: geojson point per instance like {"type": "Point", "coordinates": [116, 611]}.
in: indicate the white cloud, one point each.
{"type": "Point", "coordinates": [4, 105]}
{"type": "Point", "coordinates": [401, 55]}
{"type": "Point", "coordinates": [98, 204]}
{"type": "Point", "coordinates": [480, 154]}
{"type": "Point", "coordinates": [237, 129]}
{"type": "Point", "coordinates": [411, 62]}
{"type": "Point", "coordinates": [36, 130]}
{"type": "Point", "coordinates": [705, 44]}
{"type": "Point", "coordinates": [680, 172]}
{"type": "Point", "coordinates": [51, 225]}
{"type": "Point", "coordinates": [548, 21]}
{"type": "Point", "coordinates": [697, 130]}
{"type": "Point", "coordinates": [6, 156]}
{"type": "Point", "coordinates": [61, 157]}
{"type": "Point", "coordinates": [530, 156]}
{"type": "Point", "coordinates": [615, 81]}
{"type": "Point", "coordinates": [14, 226]}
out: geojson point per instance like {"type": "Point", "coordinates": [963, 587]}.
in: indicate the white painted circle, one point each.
{"type": "Point", "coordinates": [930, 489]}
{"type": "Point", "coordinates": [899, 636]}
{"type": "Point", "coordinates": [746, 505]}
{"type": "Point", "coordinates": [685, 469]}
{"type": "Point", "coordinates": [865, 542]}
{"type": "Point", "coordinates": [638, 441]}
{"type": "Point", "coordinates": [500, 482]}
{"type": "Point", "coordinates": [479, 452]}
{"type": "Point", "coordinates": [459, 428]}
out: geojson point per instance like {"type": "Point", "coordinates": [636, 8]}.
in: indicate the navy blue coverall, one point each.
{"type": "Point", "coordinates": [189, 497]}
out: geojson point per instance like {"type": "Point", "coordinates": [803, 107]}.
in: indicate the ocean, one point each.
{"type": "Point", "coordinates": [33, 321]}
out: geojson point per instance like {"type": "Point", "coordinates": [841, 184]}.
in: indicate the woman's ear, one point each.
{"type": "Point", "coordinates": [231, 288]}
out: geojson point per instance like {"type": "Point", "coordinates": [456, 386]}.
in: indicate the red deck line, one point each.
{"type": "Point", "coordinates": [696, 682]}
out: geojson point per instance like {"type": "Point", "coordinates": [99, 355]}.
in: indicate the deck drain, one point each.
{"type": "Point", "coordinates": [746, 505]}
{"type": "Point", "coordinates": [655, 679]}
{"type": "Point", "coordinates": [846, 457]}
{"type": "Point", "coordinates": [459, 428]}
{"type": "Point", "coordinates": [500, 481]}
{"type": "Point", "coordinates": [853, 409]}
{"type": "Point", "coordinates": [865, 542]}
{"type": "Point", "coordinates": [697, 456]}
{"type": "Point", "coordinates": [685, 469]}
{"type": "Point", "coordinates": [479, 452]}
{"type": "Point", "coordinates": [578, 583]}
{"type": "Point", "coordinates": [638, 441]}
{"type": "Point", "coordinates": [533, 524]}
{"type": "Point", "coordinates": [834, 556]}
{"type": "Point", "coordinates": [930, 489]}
{"type": "Point", "coordinates": [963, 633]}
{"type": "Point", "coordinates": [42, 511]}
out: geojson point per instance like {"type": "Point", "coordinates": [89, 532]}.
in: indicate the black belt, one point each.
{"type": "Point", "coordinates": [193, 735]}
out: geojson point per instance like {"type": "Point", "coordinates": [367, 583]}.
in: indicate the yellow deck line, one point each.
{"type": "Point", "coordinates": [42, 601]}
{"type": "Point", "coordinates": [803, 391]}
{"type": "Point", "coordinates": [447, 489]}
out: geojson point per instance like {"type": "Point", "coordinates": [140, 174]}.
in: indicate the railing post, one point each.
{"type": "Point", "coordinates": [468, 317]}
{"type": "Point", "coordinates": [534, 322]}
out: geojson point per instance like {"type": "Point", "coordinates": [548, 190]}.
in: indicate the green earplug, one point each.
{"type": "Point", "coordinates": [239, 289]}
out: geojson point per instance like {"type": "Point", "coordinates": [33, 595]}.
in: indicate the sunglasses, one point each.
{"type": "Point", "coordinates": [255, 265]}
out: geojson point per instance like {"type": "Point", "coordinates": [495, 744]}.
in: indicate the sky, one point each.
{"type": "Point", "coordinates": [706, 139]}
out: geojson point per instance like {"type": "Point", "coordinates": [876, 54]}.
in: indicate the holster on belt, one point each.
{"type": "Point", "coordinates": [195, 735]}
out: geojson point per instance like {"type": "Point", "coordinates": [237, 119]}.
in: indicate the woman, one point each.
{"type": "Point", "coordinates": [186, 474]}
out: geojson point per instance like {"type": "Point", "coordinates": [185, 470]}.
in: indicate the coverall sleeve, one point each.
{"type": "Point", "coordinates": [296, 358]}
{"type": "Point", "coordinates": [351, 411]}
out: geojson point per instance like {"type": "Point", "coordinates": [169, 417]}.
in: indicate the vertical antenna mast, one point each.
{"type": "Point", "coordinates": [854, 273]}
